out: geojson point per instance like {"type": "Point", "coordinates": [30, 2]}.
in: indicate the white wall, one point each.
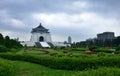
{"type": "Point", "coordinates": [59, 44]}
{"type": "Point", "coordinates": [35, 37]}
{"type": "Point", "coordinates": [27, 43]}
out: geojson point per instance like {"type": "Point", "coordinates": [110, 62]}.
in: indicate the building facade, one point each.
{"type": "Point", "coordinates": [69, 40]}
{"type": "Point", "coordinates": [105, 36]}
{"type": "Point", "coordinates": [40, 34]}
{"type": "Point", "coordinates": [41, 37]}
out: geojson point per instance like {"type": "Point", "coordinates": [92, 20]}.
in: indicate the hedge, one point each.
{"type": "Point", "coordinates": [103, 50]}
{"type": "Point", "coordinates": [6, 69]}
{"type": "Point", "coordinates": [3, 48]}
{"type": "Point", "coordinates": [76, 49]}
{"type": "Point", "coordinates": [66, 63]}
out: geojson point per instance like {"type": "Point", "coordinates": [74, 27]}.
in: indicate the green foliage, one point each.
{"type": "Point", "coordinates": [98, 49]}
{"type": "Point", "coordinates": [6, 69]}
{"type": "Point", "coordinates": [29, 69]}
{"type": "Point", "coordinates": [116, 41]}
{"type": "Point", "coordinates": [118, 48]}
{"type": "Point", "coordinates": [103, 50]}
{"type": "Point", "coordinates": [3, 48]}
{"type": "Point", "coordinates": [76, 49]}
{"type": "Point", "coordinates": [1, 39]}
{"type": "Point", "coordinates": [14, 50]}
{"type": "Point", "coordinates": [102, 54]}
{"type": "Point", "coordinates": [67, 63]}
{"type": "Point", "coordinates": [8, 43]}
{"type": "Point", "coordinates": [92, 48]}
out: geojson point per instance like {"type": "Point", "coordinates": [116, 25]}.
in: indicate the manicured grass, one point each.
{"type": "Point", "coordinates": [29, 69]}
{"type": "Point", "coordinates": [22, 68]}
{"type": "Point", "coordinates": [51, 51]}
{"type": "Point", "coordinates": [6, 68]}
{"type": "Point", "coordinates": [67, 63]}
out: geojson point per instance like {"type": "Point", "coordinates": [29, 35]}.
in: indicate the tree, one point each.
{"type": "Point", "coordinates": [7, 42]}
{"type": "Point", "coordinates": [1, 39]}
{"type": "Point", "coordinates": [116, 41]}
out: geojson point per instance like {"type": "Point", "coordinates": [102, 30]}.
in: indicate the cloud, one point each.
{"type": "Point", "coordinates": [87, 19]}
{"type": "Point", "coordinates": [80, 19]}
{"type": "Point", "coordinates": [82, 22]}
{"type": "Point", "coordinates": [9, 21]}
{"type": "Point", "coordinates": [80, 4]}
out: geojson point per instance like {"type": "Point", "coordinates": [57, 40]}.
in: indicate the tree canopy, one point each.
{"type": "Point", "coordinates": [8, 43]}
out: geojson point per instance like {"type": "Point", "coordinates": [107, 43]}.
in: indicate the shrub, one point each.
{"type": "Point", "coordinates": [6, 69]}
{"type": "Point", "coordinates": [92, 48]}
{"type": "Point", "coordinates": [103, 50]}
{"type": "Point", "coordinates": [118, 48]}
{"type": "Point", "coordinates": [13, 50]}
{"type": "Point", "coordinates": [101, 54]}
{"type": "Point", "coordinates": [77, 49]}
{"type": "Point", "coordinates": [3, 48]}
{"type": "Point", "coordinates": [117, 52]}
{"type": "Point", "coordinates": [67, 63]}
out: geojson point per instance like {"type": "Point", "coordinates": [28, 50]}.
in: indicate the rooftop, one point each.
{"type": "Point", "coordinates": [39, 29]}
{"type": "Point", "coordinates": [105, 33]}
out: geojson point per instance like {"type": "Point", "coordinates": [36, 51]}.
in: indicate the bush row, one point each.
{"type": "Point", "coordinates": [3, 48]}
{"type": "Point", "coordinates": [76, 49]}
{"type": "Point", "coordinates": [66, 63]}
{"type": "Point", "coordinates": [6, 69]}
{"type": "Point", "coordinates": [103, 50]}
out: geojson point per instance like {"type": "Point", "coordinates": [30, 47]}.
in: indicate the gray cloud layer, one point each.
{"type": "Point", "coordinates": [80, 19]}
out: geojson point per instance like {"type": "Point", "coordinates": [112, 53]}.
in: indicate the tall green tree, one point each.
{"type": "Point", "coordinates": [1, 39]}
{"type": "Point", "coordinates": [116, 41]}
{"type": "Point", "coordinates": [7, 42]}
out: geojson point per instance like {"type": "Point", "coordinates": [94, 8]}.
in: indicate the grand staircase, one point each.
{"type": "Point", "coordinates": [38, 44]}
{"type": "Point", "coordinates": [42, 44]}
{"type": "Point", "coordinates": [51, 45]}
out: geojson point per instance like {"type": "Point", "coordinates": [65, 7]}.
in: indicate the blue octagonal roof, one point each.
{"type": "Point", "coordinates": [39, 29]}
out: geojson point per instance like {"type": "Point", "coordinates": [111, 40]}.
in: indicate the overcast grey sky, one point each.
{"type": "Point", "coordinates": [80, 19]}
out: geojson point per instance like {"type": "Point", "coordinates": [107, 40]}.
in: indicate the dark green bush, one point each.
{"type": "Point", "coordinates": [103, 50]}
{"type": "Point", "coordinates": [117, 52]}
{"type": "Point", "coordinates": [77, 49]}
{"type": "Point", "coordinates": [101, 54]}
{"type": "Point", "coordinates": [92, 48]}
{"type": "Point", "coordinates": [3, 48]}
{"type": "Point", "coordinates": [67, 63]}
{"type": "Point", "coordinates": [118, 48]}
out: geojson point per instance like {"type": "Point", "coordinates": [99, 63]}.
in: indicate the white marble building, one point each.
{"type": "Point", "coordinates": [41, 37]}
{"type": "Point", "coordinates": [40, 34]}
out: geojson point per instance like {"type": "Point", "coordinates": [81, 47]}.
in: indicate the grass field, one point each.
{"type": "Point", "coordinates": [22, 68]}
{"type": "Point", "coordinates": [29, 69]}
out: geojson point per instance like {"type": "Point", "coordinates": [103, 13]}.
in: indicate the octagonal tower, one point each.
{"type": "Point", "coordinates": [40, 34]}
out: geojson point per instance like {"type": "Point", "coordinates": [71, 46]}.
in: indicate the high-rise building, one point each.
{"type": "Point", "coordinates": [69, 39]}
{"type": "Point", "coordinates": [105, 36]}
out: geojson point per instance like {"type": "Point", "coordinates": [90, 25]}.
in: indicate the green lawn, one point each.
{"type": "Point", "coordinates": [22, 68]}
{"type": "Point", "coordinates": [29, 69]}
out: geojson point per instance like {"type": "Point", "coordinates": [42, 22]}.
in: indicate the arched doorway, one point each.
{"type": "Point", "coordinates": [41, 38]}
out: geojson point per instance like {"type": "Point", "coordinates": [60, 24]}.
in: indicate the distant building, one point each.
{"type": "Point", "coordinates": [103, 39]}
{"type": "Point", "coordinates": [69, 40]}
{"type": "Point", "coordinates": [105, 36]}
